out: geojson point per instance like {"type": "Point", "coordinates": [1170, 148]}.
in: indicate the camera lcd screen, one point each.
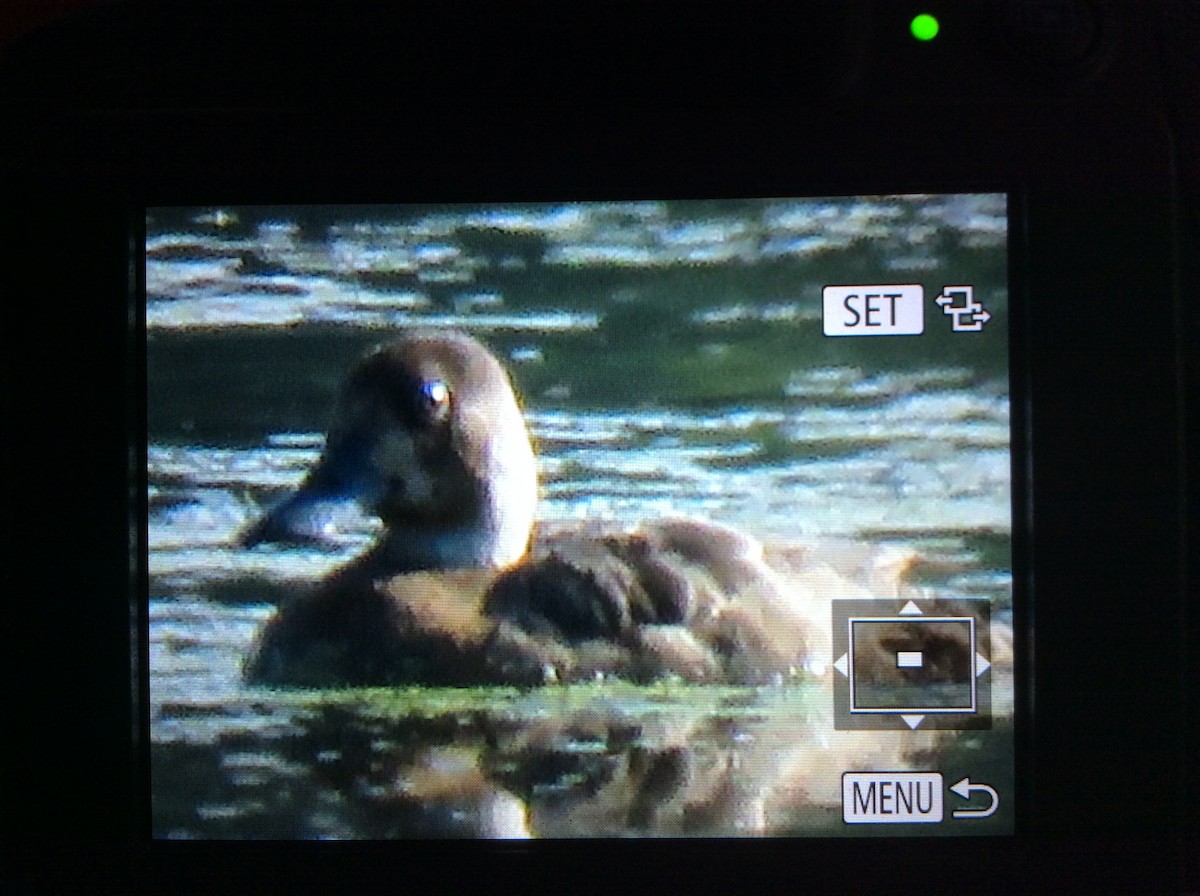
{"type": "Point", "coordinates": [581, 519]}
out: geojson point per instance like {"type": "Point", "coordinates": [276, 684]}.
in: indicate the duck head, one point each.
{"type": "Point", "coordinates": [427, 435]}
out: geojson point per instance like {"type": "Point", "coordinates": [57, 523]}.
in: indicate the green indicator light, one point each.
{"type": "Point", "coordinates": [924, 27]}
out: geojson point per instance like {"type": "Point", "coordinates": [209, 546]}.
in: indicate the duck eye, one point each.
{"type": "Point", "coordinates": [436, 396]}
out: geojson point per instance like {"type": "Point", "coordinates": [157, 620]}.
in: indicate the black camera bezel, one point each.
{"type": "Point", "coordinates": [1103, 776]}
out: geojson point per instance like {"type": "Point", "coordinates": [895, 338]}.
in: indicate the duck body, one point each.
{"type": "Point", "coordinates": [457, 591]}
{"type": "Point", "coordinates": [581, 605]}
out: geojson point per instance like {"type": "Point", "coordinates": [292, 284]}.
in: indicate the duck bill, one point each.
{"type": "Point", "coordinates": [307, 516]}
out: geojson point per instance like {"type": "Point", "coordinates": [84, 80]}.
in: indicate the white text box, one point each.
{"type": "Point", "coordinates": [882, 310]}
{"type": "Point", "coordinates": [891, 797]}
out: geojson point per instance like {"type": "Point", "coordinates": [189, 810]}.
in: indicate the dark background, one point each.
{"type": "Point", "coordinates": [1089, 115]}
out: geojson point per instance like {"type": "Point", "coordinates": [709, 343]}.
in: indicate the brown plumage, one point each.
{"type": "Point", "coordinates": [430, 437]}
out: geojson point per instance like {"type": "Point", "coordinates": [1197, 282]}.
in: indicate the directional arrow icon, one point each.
{"type": "Point", "coordinates": [965, 788]}
{"type": "Point", "coordinates": [981, 664]}
{"type": "Point", "coordinates": [911, 609]}
{"type": "Point", "coordinates": [913, 721]}
{"type": "Point", "coordinates": [843, 664]}
{"type": "Point", "coordinates": [970, 316]}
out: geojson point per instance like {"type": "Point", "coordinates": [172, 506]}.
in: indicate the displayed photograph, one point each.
{"type": "Point", "coordinates": [663, 518]}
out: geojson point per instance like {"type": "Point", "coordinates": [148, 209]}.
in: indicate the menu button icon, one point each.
{"type": "Point", "coordinates": [891, 797]}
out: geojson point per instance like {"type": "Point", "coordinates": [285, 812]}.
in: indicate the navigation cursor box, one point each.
{"type": "Point", "coordinates": [886, 310]}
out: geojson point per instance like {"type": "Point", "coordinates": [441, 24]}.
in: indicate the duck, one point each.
{"type": "Point", "coordinates": [464, 587]}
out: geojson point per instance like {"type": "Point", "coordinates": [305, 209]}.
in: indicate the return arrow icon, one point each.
{"type": "Point", "coordinates": [965, 788]}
